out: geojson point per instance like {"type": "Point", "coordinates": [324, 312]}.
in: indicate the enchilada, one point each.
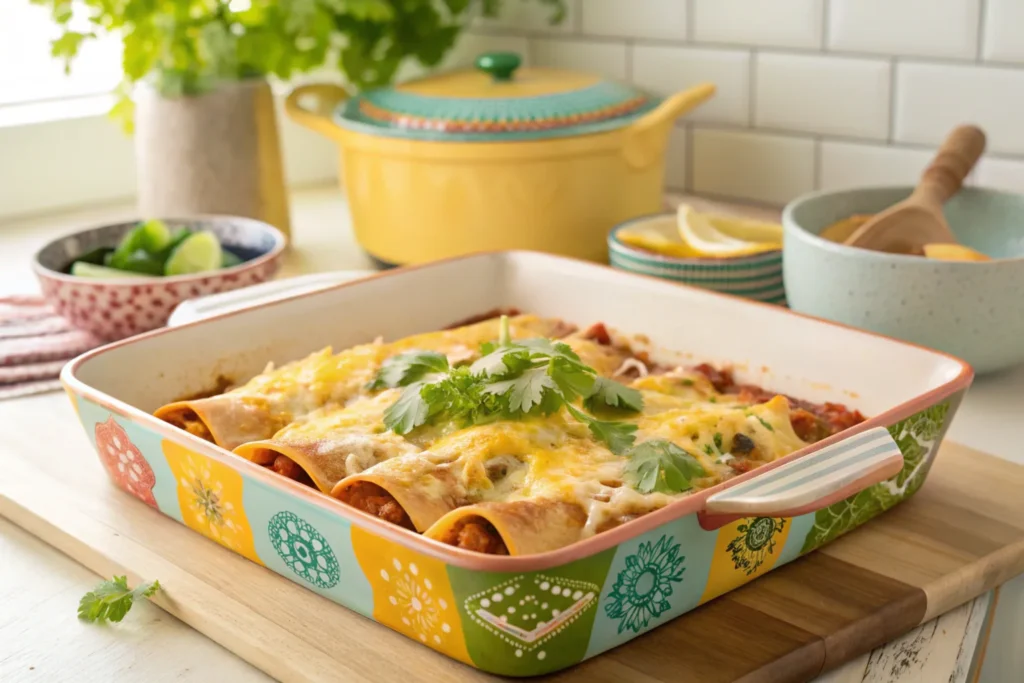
{"type": "Point", "coordinates": [514, 436]}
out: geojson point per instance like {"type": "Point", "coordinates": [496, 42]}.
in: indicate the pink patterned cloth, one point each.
{"type": "Point", "coordinates": [35, 343]}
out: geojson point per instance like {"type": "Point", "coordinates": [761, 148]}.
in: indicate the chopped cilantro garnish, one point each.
{"type": "Point", "coordinates": [512, 380]}
{"type": "Point", "coordinates": [660, 466]}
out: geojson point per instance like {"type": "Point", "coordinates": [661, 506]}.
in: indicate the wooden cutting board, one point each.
{"type": "Point", "coordinates": [962, 535]}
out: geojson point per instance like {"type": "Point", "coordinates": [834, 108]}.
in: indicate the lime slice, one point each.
{"type": "Point", "coordinates": [198, 253]}
{"type": "Point", "coordinates": [149, 236]}
{"type": "Point", "coordinates": [229, 259]}
{"type": "Point", "coordinates": [724, 236]}
{"type": "Point", "coordinates": [84, 269]}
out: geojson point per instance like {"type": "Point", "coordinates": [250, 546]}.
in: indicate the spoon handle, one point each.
{"type": "Point", "coordinates": [955, 159]}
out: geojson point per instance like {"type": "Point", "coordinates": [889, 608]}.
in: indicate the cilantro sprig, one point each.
{"type": "Point", "coordinates": [660, 466]}
{"type": "Point", "coordinates": [111, 600]}
{"type": "Point", "coordinates": [511, 380]}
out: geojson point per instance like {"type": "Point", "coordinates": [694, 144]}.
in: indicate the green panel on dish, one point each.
{"type": "Point", "coordinates": [918, 438]}
{"type": "Point", "coordinates": [530, 623]}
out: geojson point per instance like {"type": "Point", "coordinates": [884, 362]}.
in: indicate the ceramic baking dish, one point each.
{"type": "Point", "coordinates": [538, 613]}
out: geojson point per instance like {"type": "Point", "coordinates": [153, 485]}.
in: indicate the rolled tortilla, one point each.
{"type": "Point", "coordinates": [271, 400]}
{"type": "Point", "coordinates": [424, 490]}
{"type": "Point", "coordinates": [521, 527]}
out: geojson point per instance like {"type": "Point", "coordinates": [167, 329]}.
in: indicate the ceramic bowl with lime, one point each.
{"type": "Point", "coordinates": [123, 279]}
{"type": "Point", "coordinates": [722, 253]}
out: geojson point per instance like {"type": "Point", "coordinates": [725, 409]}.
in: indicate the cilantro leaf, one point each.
{"type": "Point", "coordinates": [405, 368]}
{"type": "Point", "coordinates": [409, 411]}
{"type": "Point", "coordinates": [618, 436]}
{"type": "Point", "coordinates": [499, 361]}
{"type": "Point", "coordinates": [612, 394]}
{"type": "Point", "coordinates": [525, 391]}
{"type": "Point", "coordinates": [661, 466]}
{"type": "Point", "coordinates": [573, 379]}
{"type": "Point", "coordinates": [111, 600]}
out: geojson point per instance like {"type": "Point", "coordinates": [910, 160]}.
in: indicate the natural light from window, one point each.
{"type": "Point", "coordinates": [29, 74]}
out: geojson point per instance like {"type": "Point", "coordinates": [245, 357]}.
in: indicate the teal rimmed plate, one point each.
{"type": "Point", "coordinates": [757, 276]}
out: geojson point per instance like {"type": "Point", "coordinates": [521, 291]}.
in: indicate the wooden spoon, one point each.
{"type": "Point", "coordinates": [906, 227]}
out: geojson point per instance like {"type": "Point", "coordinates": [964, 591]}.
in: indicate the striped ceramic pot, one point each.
{"type": "Point", "coordinates": [757, 277]}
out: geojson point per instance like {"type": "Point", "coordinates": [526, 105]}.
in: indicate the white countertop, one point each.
{"type": "Point", "coordinates": [41, 640]}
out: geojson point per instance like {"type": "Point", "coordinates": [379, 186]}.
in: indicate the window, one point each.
{"type": "Point", "coordinates": [28, 73]}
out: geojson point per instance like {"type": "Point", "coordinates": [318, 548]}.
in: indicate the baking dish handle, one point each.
{"type": "Point", "coordinates": [810, 483]}
{"type": "Point", "coordinates": [325, 98]}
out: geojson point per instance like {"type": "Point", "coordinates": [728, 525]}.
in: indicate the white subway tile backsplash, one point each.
{"type": "Point", "coordinates": [932, 99]}
{"type": "Point", "coordinates": [779, 23]}
{"type": "Point", "coordinates": [820, 94]}
{"type": "Point", "coordinates": [767, 168]}
{"type": "Point", "coordinates": [927, 28]}
{"type": "Point", "coordinates": [675, 161]}
{"type": "Point", "coordinates": [1001, 174]}
{"type": "Point", "coordinates": [667, 70]}
{"type": "Point", "coordinates": [665, 19]}
{"type": "Point", "coordinates": [1004, 28]}
{"type": "Point", "coordinates": [852, 164]}
{"type": "Point", "coordinates": [531, 16]}
{"type": "Point", "coordinates": [606, 59]}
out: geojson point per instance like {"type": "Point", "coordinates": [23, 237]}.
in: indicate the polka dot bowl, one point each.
{"type": "Point", "coordinates": [116, 308]}
{"type": "Point", "coordinates": [970, 310]}
{"type": "Point", "coordinates": [757, 277]}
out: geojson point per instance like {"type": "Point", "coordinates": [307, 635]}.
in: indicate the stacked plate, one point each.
{"type": "Point", "coordinates": [755, 276]}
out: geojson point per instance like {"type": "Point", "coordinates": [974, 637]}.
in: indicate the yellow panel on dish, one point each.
{"type": "Point", "coordinates": [745, 549]}
{"type": "Point", "coordinates": [411, 593]}
{"type": "Point", "coordinates": [210, 498]}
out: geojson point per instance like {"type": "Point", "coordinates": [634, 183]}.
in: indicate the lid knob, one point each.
{"type": "Point", "coordinates": [500, 65]}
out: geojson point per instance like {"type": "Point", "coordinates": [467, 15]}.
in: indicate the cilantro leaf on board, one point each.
{"type": "Point", "coordinates": [111, 600]}
{"type": "Point", "coordinates": [607, 393]}
{"type": "Point", "coordinates": [660, 466]}
{"type": "Point", "coordinates": [405, 368]}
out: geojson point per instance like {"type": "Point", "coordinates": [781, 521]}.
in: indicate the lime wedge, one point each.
{"type": "Point", "coordinates": [149, 236]}
{"type": "Point", "coordinates": [198, 253]}
{"type": "Point", "coordinates": [84, 269]}
{"type": "Point", "coordinates": [229, 259]}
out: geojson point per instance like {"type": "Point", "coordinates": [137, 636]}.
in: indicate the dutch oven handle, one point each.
{"type": "Point", "coordinates": [809, 483]}
{"type": "Point", "coordinates": [325, 98]}
{"type": "Point", "coordinates": [647, 137]}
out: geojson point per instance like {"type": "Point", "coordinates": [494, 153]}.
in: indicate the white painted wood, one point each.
{"type": "Point", "coordinates": [40, 587]}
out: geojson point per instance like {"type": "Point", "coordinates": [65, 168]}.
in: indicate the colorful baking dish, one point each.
{"type": "Point", "coordinates": [533, 613]}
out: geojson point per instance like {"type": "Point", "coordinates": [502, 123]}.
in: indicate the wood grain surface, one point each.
{"type": "Point", "coordinates": [962, 535]}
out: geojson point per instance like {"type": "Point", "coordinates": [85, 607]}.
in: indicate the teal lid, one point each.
{"type": "Point", "coordinates": [499, 100]}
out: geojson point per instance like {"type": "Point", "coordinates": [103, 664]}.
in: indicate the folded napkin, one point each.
{"type": "Point", "coordinates": [35, 343]}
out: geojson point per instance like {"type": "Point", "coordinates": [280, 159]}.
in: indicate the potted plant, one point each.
{"type": "Point", "coordinates": [196, 85]}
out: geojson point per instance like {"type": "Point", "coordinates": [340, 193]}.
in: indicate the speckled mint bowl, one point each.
{"type": "Point", "coordinates": [971, 310]}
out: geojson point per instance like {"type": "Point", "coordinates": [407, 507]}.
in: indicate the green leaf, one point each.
{"type": "Point", "coordinates": [494, 362]}
{"type": "Point", "coordinates": [661, 466]}
{"type": "Point", "coordinates": [618, 436]}
{"type": "Point", "coordinates": [408, 412]}
{"type": "Point", "coordinates": [405, 368]}
{"type": "Point", "coordinates": [525, 391]}
{"type": "Point", "coordinates": [608, 393]}
{"type": "Point", "coordinates": [111, 600]}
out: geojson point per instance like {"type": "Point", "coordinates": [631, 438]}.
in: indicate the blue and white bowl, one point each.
{"type": "Point", "coordinates": [757, 277]}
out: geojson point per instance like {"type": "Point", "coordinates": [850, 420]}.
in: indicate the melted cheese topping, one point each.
{"type": "Point", "coordinates": [547, 457]}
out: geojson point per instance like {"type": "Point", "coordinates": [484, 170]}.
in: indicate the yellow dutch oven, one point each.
{"type": "Point", "coordinates": [495, 158]}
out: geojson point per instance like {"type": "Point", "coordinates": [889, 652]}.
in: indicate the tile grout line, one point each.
{"type": "Point", "coordinates": [893, 94]}
{"type": "Point", "coordinates": [982, 20]}
{"type": "Point", "coordinates": [826, 15]}
{"type": "Point", "coordinates": [643, 41]}
{"type": "Point", "coordinates": [752, 89]}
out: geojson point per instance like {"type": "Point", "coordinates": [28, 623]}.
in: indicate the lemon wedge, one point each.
{"type": "Point", "coordinates": [659, 236]}
{"type": "Point", "coordinates": [953, 252]}
{"type": "Point", "coordinates": [725, 236]}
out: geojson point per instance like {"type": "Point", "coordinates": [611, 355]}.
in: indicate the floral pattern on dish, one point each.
{"type": "Point", "coordinates": [210, 498]}
{"type": "Point", "coordinates": [124, 462]}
